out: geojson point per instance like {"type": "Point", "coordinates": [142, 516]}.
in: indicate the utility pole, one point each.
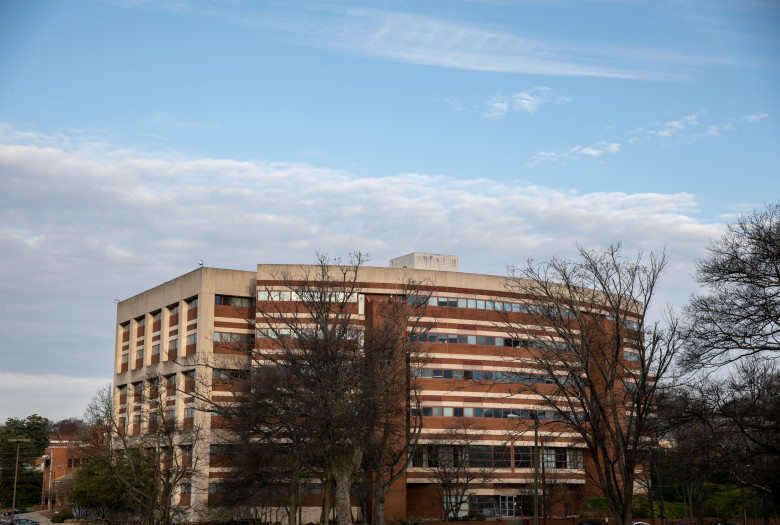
{"type": "Point", "coordinates": [536, 467]}
{"type": "Point", "coordinates": [544, 484]}
{"type": "Point", "coordinates": [16, 474]}
{"type": "Point", "coordinates": [51, 483]}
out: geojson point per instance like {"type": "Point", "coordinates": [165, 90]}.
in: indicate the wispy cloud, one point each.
{"type": "Point", "coordinates": [758, 117]}
{"type": "Point", "coordinates": [445, 41]}
{"type": "Point", "coordinates": [564, 157]}
{"type": "Point", "coordinates": [425, 40]}
{"type": "Point", "coordinates": [732, 124]}
{"type": "Point", "coordinates": [529, 101]}
{"type": "Point", "coordinates": [675, 126]}
{"type": "Point", "coordinates": [685, 129]}
{"type": "Point", "coordinates": [498, 106]}
{"type": "Point", "coordinates": [691, 127]}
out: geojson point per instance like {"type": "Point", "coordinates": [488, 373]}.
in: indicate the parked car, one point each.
{"type": "Point", "coordinates": [640, 523]}
{"type": "Point", "coordinates": [21, 521]}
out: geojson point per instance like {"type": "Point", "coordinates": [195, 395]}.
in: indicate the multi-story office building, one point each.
{"type": "Point", "coordinates": [172, 338]}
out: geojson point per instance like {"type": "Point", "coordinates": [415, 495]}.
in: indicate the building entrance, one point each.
{"type": "Point", "coordinates": [516, 506]}
{"type": "Point", "coordinates": [508, 507]}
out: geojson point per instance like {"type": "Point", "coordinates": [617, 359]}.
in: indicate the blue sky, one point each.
{"type": "Point", "coordinates": [137, 137]}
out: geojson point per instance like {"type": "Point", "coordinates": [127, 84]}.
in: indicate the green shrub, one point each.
{"type": "Point", "coordinates": [60, 517]}
{"type": "Point", "coordinates": [598, 502]}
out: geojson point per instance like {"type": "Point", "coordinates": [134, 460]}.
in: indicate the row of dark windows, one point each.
{"type": "Point", "coordinates": [494, 413]}
{"type": "Point", "coordinates": [481, 375]}
{"type": "Point", "coordinates": [157, 416]}
{"type": "Point", "coordinates": [231, 300]}
{"type": "Point", "coordinates": [503, 306]}
{"type": "Point", "coordinates": [222, 450]}
{"type": "Point", "coordinates": [480, 304]}
{"type": "Point", "coordinates": [483, 340]}
{"type": "Point", "coordinates": [229, 373]}
{"type": "Point", "coordinates": [154, 382]}
{"type": "Point", "coordinates": [157, 315]}
{"type": "Point", "coordinates": [495, 456]}
{"type": "Point", "coordinates": [229, 337]}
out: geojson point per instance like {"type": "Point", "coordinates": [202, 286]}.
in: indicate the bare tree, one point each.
{"type": "Point", "coordinates": [740, 316]}
{"type": "Point", "coordinates": [328, 391]}
{"type": "Point", "coordinates": [556, 490]}
{"type": "Point", "coordinates": [270, 447]}
{"type": "Point", "coordinates": [458, 461]}
{"type": "Point", "coordinates": [738, 445]}
{"type": "Point", "coordinates": [694, 443]}
{"type": "Point", "coordinates": [560, 495]}
{"type": "Point", "coordinates": [390, 393]}
{"type": "Point", "coordinates": [312, 338]}
{"type": "Point", "coordinates": [583, 324]}
{"type": "Point", "coordinates": [150, 457]}
{"type": "Point", "coordinates": [737, 320]}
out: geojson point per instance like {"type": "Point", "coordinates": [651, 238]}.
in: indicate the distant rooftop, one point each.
{"type": "Point", "coordinates": [426, 261]}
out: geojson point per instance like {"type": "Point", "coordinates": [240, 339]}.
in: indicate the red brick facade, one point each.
{"type": "Point", "coordinates": [469, 373]}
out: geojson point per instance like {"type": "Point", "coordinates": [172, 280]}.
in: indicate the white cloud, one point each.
{"type": "Point", "coordinates": [572, 154]}
{"type": "Point", "coordinates": [683, 129]}
{"type": "Point", "coordinates": [687, 128]}
{"type": "Point", "coordinates": [82, 223]}
{"type": "Point", "coordinates": [601, 148]}
{"type": "Point", "coordinates": [731, 124]}
{"type": "Point", "coordinates": [757, 117]}
{"type": "Point", "coordinates": [529, 101]}
{"type": "Point", "coordinates": [674, 126]}
{"type": "Point", "coordinates": [425, 40]}
{"type": "Point", "coordinates": [497, 107]}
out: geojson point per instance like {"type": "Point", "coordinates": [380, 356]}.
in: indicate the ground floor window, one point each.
{"type": "Point", "coordinates": [494, 506]}
{"type": "Point", "coordinates": [461, 511]}
{"type": "Point", "coordinates": [485, 505]}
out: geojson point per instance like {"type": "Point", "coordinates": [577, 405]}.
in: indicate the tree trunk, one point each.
{"type": "Point", "coordinates": [343, 503]}
{"type": "Point", "coordinates": [327, 490]}
{"type": "Point", "coordinates": [650, 499]}
{"type": "Point", "coordinates": [627, 512]}
{"type": "Point", "coordinates": [379, 503]}
{"type": "Point", "coordinates": [363, 500]}
{"type": "Point", "coordinates": [292, 519]}
{"type": "Point", "coordinates": [342, 475]}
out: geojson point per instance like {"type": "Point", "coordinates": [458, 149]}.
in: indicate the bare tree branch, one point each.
{"type": "Point", "coordinates": [584, 325]}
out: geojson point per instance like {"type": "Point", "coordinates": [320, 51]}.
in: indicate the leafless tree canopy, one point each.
{"type": "Point", "coordinates": [586, 329]}
{"type": "Point", "coordinates": [327, 396]}
{"type": "Point", "coordinates": [149, 458]}
{"type": "Point", "coordinates": [457, 460]}
{"type": "Point", "coordinates": [740, 314]}
{"type": "Point", "coordinates": [726, 430]}
{"type": "Point", "coordinates": [389, 394]}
